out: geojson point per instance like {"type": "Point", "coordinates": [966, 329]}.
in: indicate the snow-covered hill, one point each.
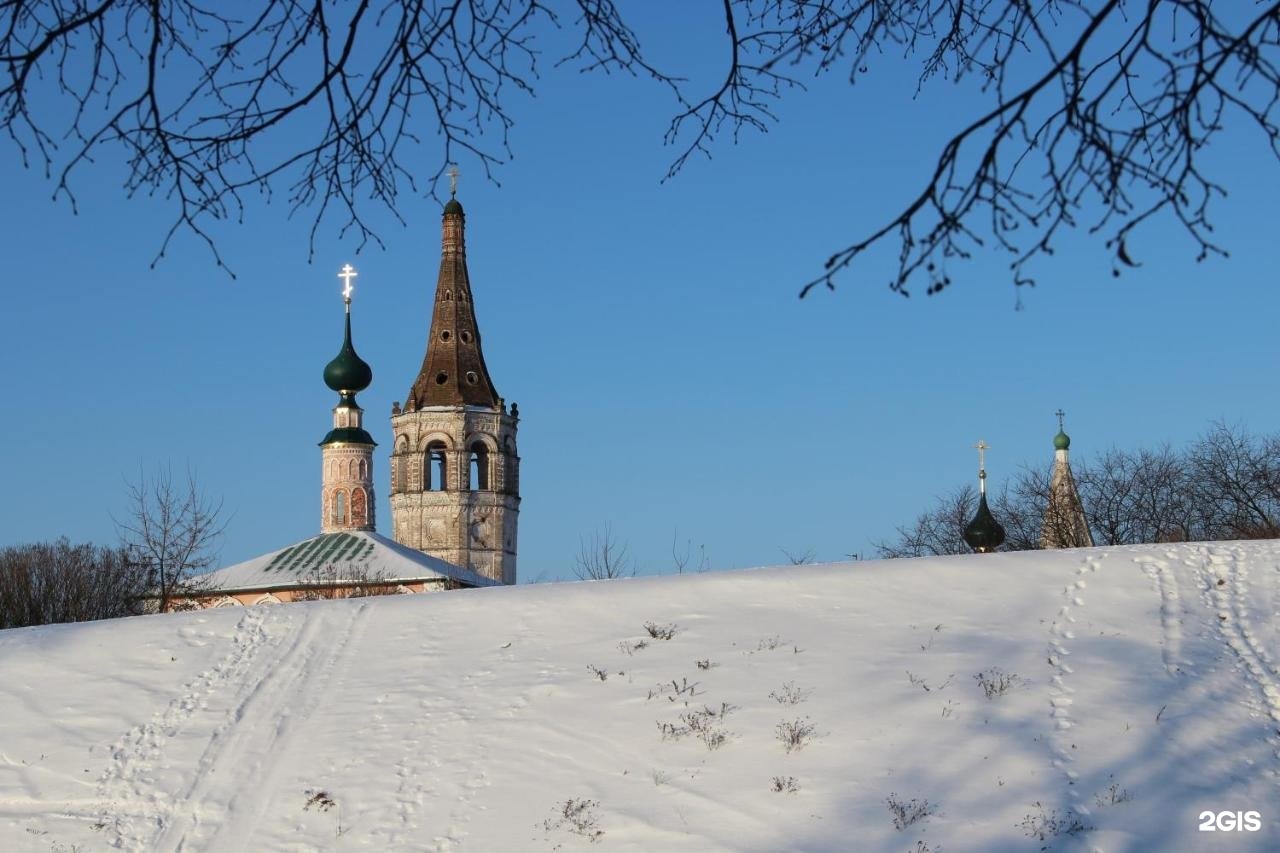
{"type": "Point", "coordinates": [1131, 690]}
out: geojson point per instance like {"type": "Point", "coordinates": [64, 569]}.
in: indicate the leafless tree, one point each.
{"type": "Point", "coordinates": [1236, 478]}
{"type": "Point", "coordinates": [798, 558]}
{"type": "Point", "coordinates": [170, 532]}
{"type": "Point", "coordinates": [50, 582]}
{"type": "Point", "coordinates": [603, 557]}
{"type": "Point", "coordinates": [1097, 112]}
{"type": "Point", "coordinates": [939, 531]}
{"type": "Point", "coordinates": [682, 555]}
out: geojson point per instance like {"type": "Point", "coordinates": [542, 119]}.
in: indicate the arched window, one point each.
{"type": "Point", "coordinates": [400, 466]}
{"type": "Point", "coordinates": [340, 507]}
{"type": "Point", "coordinates": [479, 467]}
{"type": "Point", "coordinates": [359, 508]}
{"type": "Point", "coordinates": [436, 477]}
{"type": "Point", "coordinates": [364, 469]}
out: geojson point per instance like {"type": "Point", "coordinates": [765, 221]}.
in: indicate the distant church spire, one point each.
{"type": "Point", "coordinates": [1065, 525]}
{"type": "Point", "coordinates": [983, 533]}
{"type": "Point", "coordinates": [453, 371]}
{"type": "Point", "coordinates": [346, 491]}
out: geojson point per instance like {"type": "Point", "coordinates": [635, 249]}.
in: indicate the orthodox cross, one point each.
{"type": "Point", "coordinates": [347, 273]}
{"type": "Point", "coordinates": [982, 448]}
{"type": "Point", "coordinates": [453, 181]}
{"type": "Point", "coordinates": [1061, 414]}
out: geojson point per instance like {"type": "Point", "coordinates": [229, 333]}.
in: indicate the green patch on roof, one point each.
{"type": "Point", "coordinates": [320, 551]}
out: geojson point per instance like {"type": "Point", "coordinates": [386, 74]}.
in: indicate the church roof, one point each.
{"type": "Point", "coordinates": [334, 557]}
{"type": "Point", "coordinates": [453, 371]}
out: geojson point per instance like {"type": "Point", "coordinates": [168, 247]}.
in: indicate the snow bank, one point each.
{"type": "Point", "coordinates": [829, 708]}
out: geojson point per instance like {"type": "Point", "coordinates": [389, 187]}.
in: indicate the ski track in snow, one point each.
{"type": "Point", "coordinates": [1166, 583]}
{"type": "Point", "coordinates": [1060, 694]}
{"type": "Point", "coordinates": [233, 782]}
{"type": "Point", "coordinates": [230, 784]}
{"type": "Point", "coordinates": [1230, 601]}
{"type": "Point", "coordinates": [132, 808]}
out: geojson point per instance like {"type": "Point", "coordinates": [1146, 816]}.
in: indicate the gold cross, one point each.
{"type": "Point", "coordinates": [1061, 414]}
{"type": "Point", "coordinates": [347, 273]}
{"type": "Point", "coordinates": [982, 448]}
{"type": "Point", "coordinates": [453, 180]}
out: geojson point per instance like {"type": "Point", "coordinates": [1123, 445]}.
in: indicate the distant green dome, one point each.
{"type": "Point", "coordinates": [348, 372]}
{"type": "Point", "coordinates": [1061, 441]}
{"type": "Point", "coordinates": [453, 206]}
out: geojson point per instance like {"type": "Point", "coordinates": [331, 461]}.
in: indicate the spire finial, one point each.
{"type": "Point", "coordinates": [453, 181]}
{"type": "Point", "coordinates": [347, 273]}
{"type": "Point", "coordinates": [1061, 414]}
{"type": "Point", "coordinates": [982, 447]}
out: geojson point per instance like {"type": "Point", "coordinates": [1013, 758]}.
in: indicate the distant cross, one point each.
{"type": "Point", "coordinates": [453, 180]}
{"type": "Point", "coordinates": [347, 273]}
{"type": "Point", "coordinates": [1061, 414]}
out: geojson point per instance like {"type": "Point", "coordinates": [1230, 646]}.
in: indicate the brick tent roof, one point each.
{"type": "Point", "coordinates": [453, 371]}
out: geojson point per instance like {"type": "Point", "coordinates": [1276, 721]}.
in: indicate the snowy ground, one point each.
{"type": "Point", "coordinates": [1145, 689]}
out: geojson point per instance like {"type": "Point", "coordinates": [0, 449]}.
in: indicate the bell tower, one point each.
{"type": "Point", "coordinates": [455, 473]}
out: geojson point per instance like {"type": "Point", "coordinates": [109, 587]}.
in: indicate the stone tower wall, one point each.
{"type": "Point", "coordinates": [471, 524]}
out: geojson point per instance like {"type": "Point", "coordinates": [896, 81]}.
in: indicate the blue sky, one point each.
{"type": "Point", "coordinates": [668, 379]}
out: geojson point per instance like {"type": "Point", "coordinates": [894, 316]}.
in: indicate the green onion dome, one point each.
{"type": "Point", "coordinates": [453, 206]}
{"type": "Point", "coordinates": [348, 373]}
{"type": "Point", "coordinates": [1061, 441]}
{"type": "Point", "coordinates": [984, 533]}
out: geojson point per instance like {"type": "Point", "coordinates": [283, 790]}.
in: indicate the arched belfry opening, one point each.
{"type": "Point", "coordinates": [464, 504]}
{"type": "Point", "coordinates": [480, 467]}
{"type": "Point", "coordinates": [436, 473]}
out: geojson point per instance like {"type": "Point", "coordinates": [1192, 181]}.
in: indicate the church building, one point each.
{"type": "Point", "coordinates": [454, 473]}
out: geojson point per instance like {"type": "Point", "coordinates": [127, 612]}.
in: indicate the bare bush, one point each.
{"type": "Point", "coordinates": [1045, 823]}
{"type": "Point", "coordinates": [660, 632]}
{"type": "Point", "coordinates": [705, 723]}
{"type": "Point", "coordinates": [318, 799]}
{"type": "Point", "coordinates": [784, 785]}
{"type": "Point", "coordinates": [794, 734]}
{"type": "Point", "coordinates": [674, 690]}
{"type": "Point", "coordinates": [907, 812]}
{"type": "Point", "coordinates": [1114, 795]}
{"type": "Point", "coordinates": [598, 672]}
{"type": "Point", "coordinates": [996, 682]}
{"type": "Point", "coordinates": [629, 647]}
{"type": "Point", "coordinates": [577, 817]}
{"type": "Point", "coordinates": [49, 582]}
{"type": "Point", "coordinates": [790, 694]}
